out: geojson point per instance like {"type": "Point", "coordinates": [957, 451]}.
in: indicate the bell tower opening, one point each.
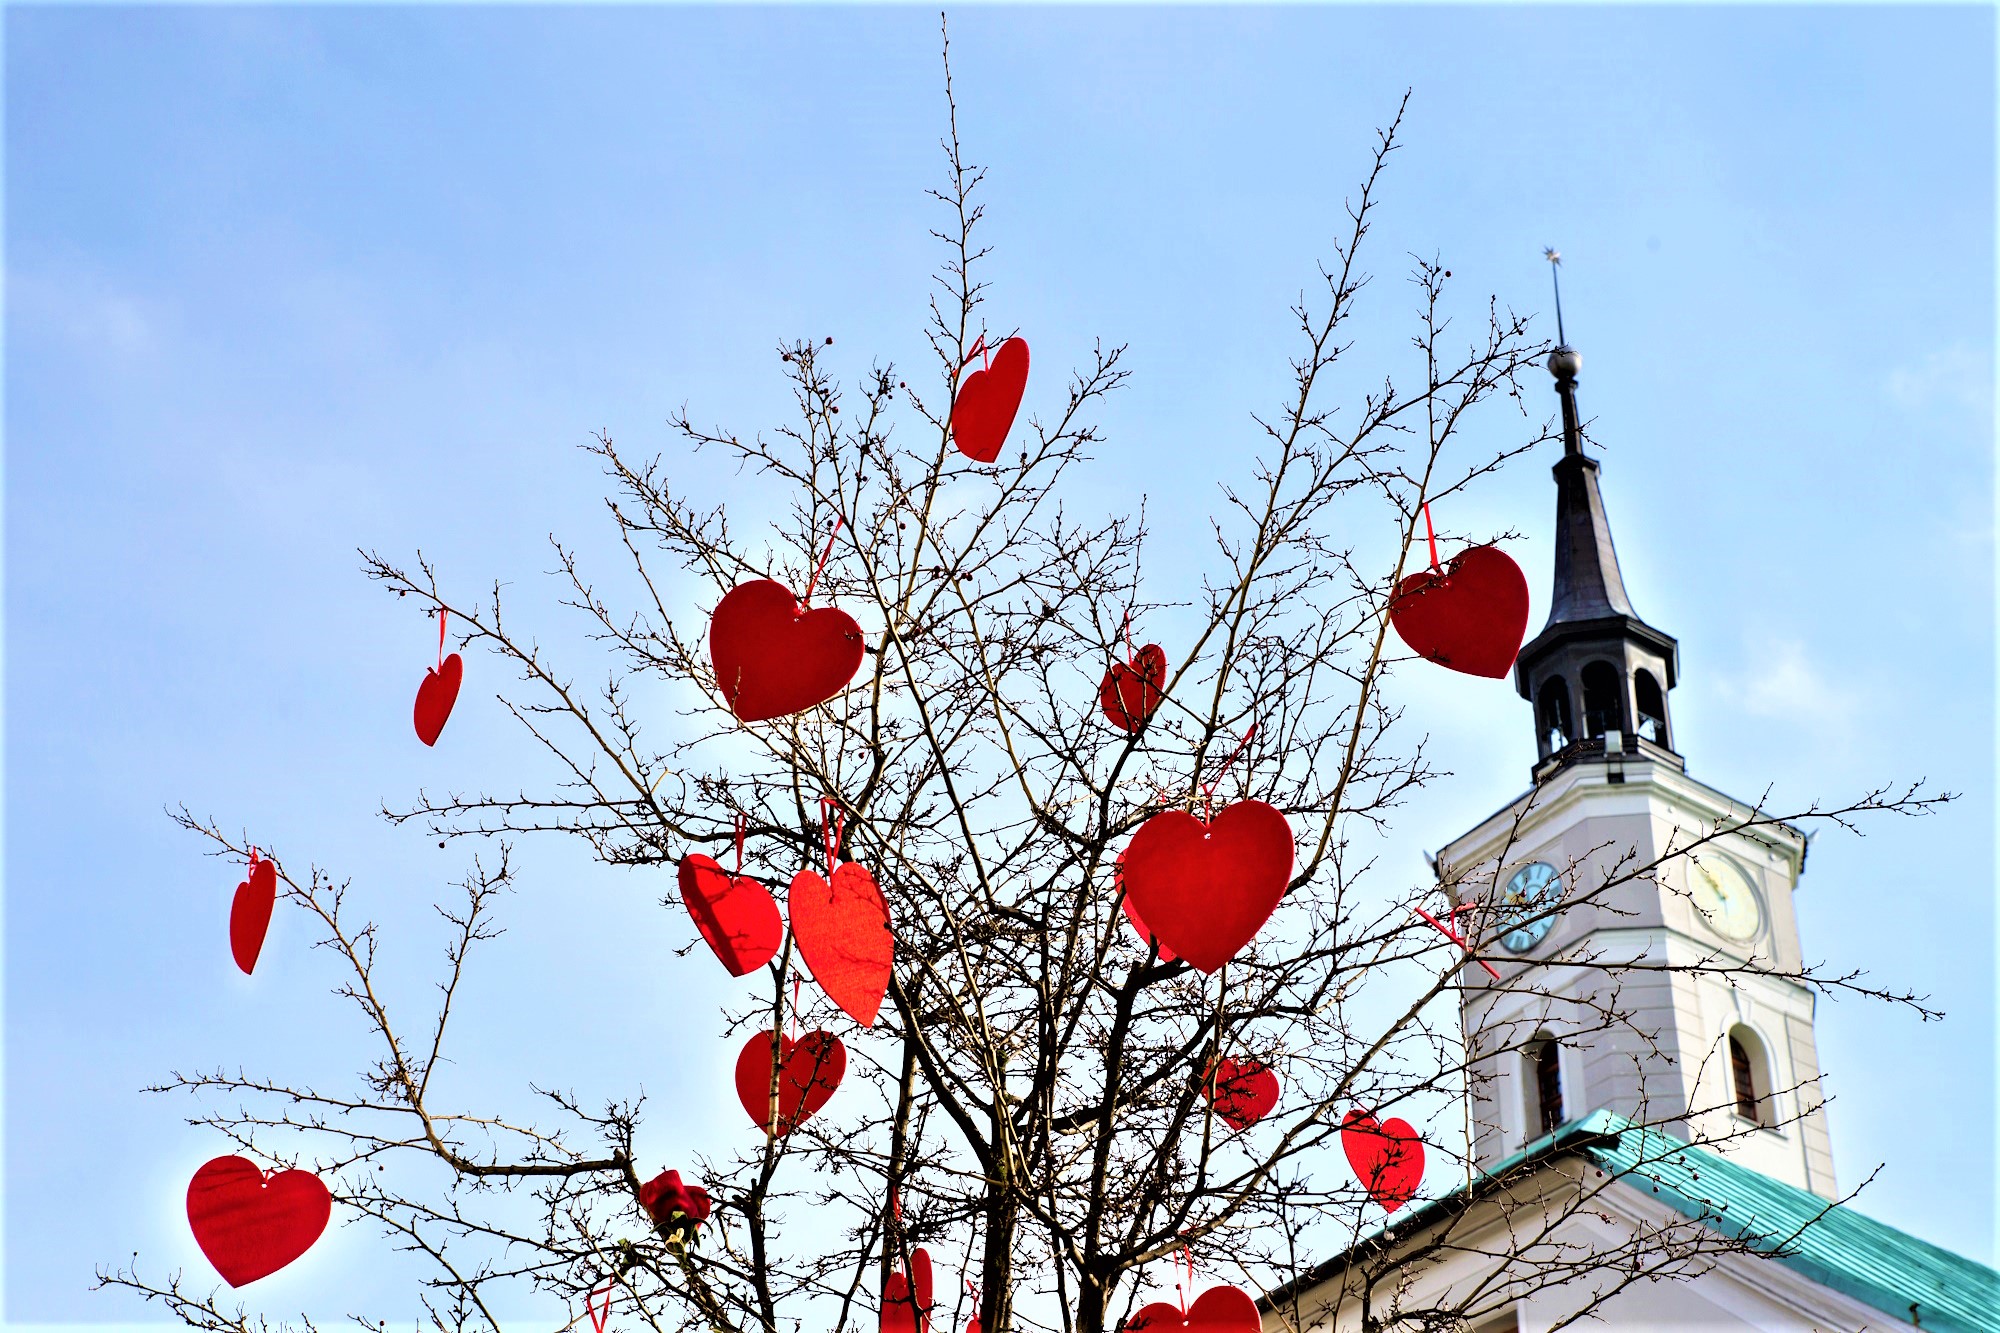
{"type": "Point", "coordinates": [1603, 704]}
{"type": "Point", "coordinates": [1652, 708]}
{"type": "Point", "coordinates": [1554, 712]}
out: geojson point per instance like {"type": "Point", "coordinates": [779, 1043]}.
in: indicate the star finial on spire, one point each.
{"type": "Point", "coordinates": [1555, 259]}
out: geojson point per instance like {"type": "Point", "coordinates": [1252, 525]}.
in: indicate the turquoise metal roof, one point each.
{"type": "Point", "coordinates": [1832, 1244]}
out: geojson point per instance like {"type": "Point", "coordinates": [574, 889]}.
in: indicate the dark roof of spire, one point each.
{"type": "Point", "coordinates": [1588, 602]}
{"type": "Point", "coordinates": [1587, 584]}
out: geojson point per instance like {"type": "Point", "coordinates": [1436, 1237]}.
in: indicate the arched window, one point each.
{"type": "Point", "coordinates": [1652, 707]}
{"type": "Point", "coordinates": [1553, 708]}
{"type": "Point", "coordinates": [1603, 702]}
{"type": "Point", "coordinates": [1545, 1068]}
{"type": "Point", "coordinates": [1746, 1074]}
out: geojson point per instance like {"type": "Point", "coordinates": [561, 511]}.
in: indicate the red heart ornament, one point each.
{"type": "Point", "coordinates": [250, 1225]}
{"type": "Point", "coordinates": [809, 1069]}
{"type": "Point", "coordinates": [987, 400]}
{"type": "Point", "coordinates": [1242, 1091]}
{"type": "Point", "coordinates": [1470, 618]}
{"type": "Point", "coordinates": [1131, 691]}
{"type": "Point", "coordinates": [1217, 1310]}
{"type": "Point", "coordinates": [734, 913]}
{"type": "Point", "coordinates": [1388, 1158]}
{"type": "Point", "coordinates": [1207, 889]}
{"type": "Point", "coordinates": [436, 696]}
{"type": "Point", "coordinates": [773, 657]}
{"type": "Point", "coordinates": [906, 1298]}
{"type": "Point", "coordinates": [842, 929]}
{"type": "Point", "coordinates": [250, 913]}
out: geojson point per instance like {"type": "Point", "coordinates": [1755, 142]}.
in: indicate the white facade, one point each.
{"type": "Point", "coordinates": [1652, 1045]}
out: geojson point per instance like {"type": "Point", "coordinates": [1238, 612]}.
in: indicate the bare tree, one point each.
{"type": "Point", "coordinates": [1034, 1093]}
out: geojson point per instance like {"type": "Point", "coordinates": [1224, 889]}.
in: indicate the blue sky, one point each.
{"type": "Point", "coordinates": [281, 283]}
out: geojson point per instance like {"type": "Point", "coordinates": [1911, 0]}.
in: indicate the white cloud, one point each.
{"type": "Point", "coordinates": [80, 310]}
{"type": "Point", "coordinates": [1781, 682]}
{"type": "Point", "coordinates": [1956, 376]}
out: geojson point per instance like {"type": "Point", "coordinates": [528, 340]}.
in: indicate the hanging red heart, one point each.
{"type": "Point", "coordinates": [1207, 889]}
{"type": "Point", "coordinates": [1131, 691]}
{"type": "Point", "coordinates": [773, 657]}
{"type": "Point", "coordinates": [436, 696]}
{"type": "Point", "coordinates": [1242, 1091]}
{"type": "Point", "coordinates": [1388, 1158]}
{"type": "Point", "coordinates": [1217, 1310]}
{"type": "Point", "coordinates": [1132, 913]}
{"type": "Point", "coordinates": [906, 1298]}
{"type": "Point", "coordinates": [734, 913]}
{"type": "Point", "coordinates": [987, 400]}
{"type": "Point", "coordinates": [1470, 618]}
{"type": "Point", "coordinates": [250, 1225]}
{"type": "Point", "coordinates": [250, 913]}
{"type": "Point", "coordinates": [842, 929]}
{"type": "Point", "coordinates": [809, 1069]}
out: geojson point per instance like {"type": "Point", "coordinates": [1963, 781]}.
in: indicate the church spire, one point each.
{"type": "Point", "coordinates": [1587, 583]}
{"type": "Point", "coordinates": [1595, 660]}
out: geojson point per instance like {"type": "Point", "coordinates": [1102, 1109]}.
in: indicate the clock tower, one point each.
{"type": "Point", "coordinates": [1644, 920]}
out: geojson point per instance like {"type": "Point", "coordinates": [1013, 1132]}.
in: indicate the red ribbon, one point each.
{"type": "Point", "coordinates": [1430, 536]}
{"type": "Point", "coordinates": [442, 613]}
{"type": "Point", "coordinates": [742, 828]}
{"type": "Point", "coordinates": [814, 581]}
{"type": "Point", "coordinates": [1208, 788]}
{"type": "Point", "coordinates": [1454, 936]}
{"type": "Point", "coordinates": [599, 1317]}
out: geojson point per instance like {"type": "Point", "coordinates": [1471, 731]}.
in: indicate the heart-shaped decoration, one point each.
{"type": "Point", "coordinates": [983, 412]}
{"type": "Point", "coordinates": [773, 657]}
{"type": "Point", "coordinates": [1387, 1157]}
{"type": "Point", "coordinates": [436, 696]}
{"type": "Point", "coordinates": [1217, 1310]}
{"type": "Point", "coordinates": [1242, 1091]}
{"type": "Point", "coordinates": [1470, 618]}
{"type": "Point", "coordinates": [809, 1069]}
{"type": "Point", "coordinates": [250, 913]}
{"type": "Point", "coordinates": [1132, 913]}
{"type": "Point", "coordinates": [1131, 690]}
{"type": "Point", "coordinates": [1207, 889]}
{"type": "Point", "coordinates": [734, 913]}
{"type": "Point", "coordinates": [842, 929]}
{"type": "Point", "coordinates": [906, 1297]}
{"type": "Point", "coordinates": [250, 1225]}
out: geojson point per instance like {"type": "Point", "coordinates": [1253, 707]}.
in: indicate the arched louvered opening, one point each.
{"type": "Point", "coordinates": [1652, 705]}
{"type": "Point", "coordinates": [1603, 699]}
{"type": "Point", "coordinates": [1553, 709]}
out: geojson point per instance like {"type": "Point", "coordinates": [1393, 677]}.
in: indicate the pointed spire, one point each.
{"type": "Point", "coordinates": [1587, 583]}
{"type": "Point", "coordinates": [1596, 671]}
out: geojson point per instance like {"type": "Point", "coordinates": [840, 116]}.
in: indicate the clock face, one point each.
{"type": "Point", "coordinates": [1525, 915]}
{"type": "Point", "coordinates": [1723, 896]}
